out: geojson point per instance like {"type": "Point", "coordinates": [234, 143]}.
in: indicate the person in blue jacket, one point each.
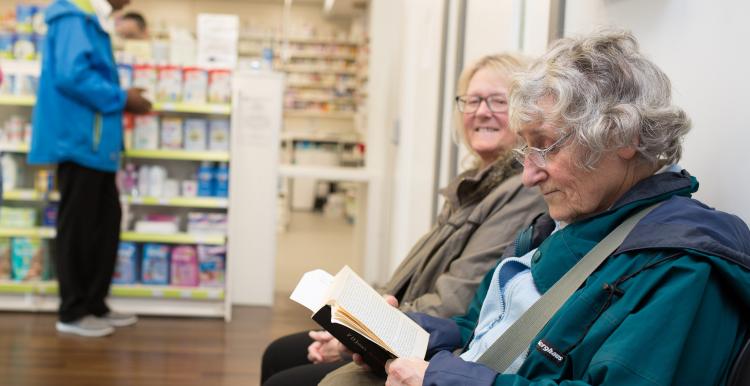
{"type": "Point", "coordinates": [77, 124]}
{"type": "Point", "coordinates": [668, 307]}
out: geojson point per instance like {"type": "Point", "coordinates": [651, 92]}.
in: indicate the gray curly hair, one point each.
{"type": "Point", "coordinates": [606, 93]}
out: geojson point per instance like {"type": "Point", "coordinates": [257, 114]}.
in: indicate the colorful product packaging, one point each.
{"type": "Point", "coordinates": [184, 269]}
{"type": "Point", "coordinates": [146, 132]}
{"type": "Point", "coordinates": [196, 131]}
{"type": "Point", "coordinates": [171, 133]}
{"type": "Point", "coordinates": [145, 77]}
{"type": "Point", "coordinates": [5, 271]}
{"type": "Point", "coordinates": [155, 264]}
{"type": "Point", "coordinates": [169, 84]}
{"type": "Point", "coordinates": [125, 71]}
{"type": "Point", "coordinates": [211, 263]}
{"type": "Point", "coordinates": [27, 259]}
{"type": "Point", "coordinates": [7, 38]}
{"type": "Point", "coordinates": [126, 268]}
{"type": "Point", "coordinates": [219, 86]}
{"type": "Point", "coordinates": [195, 85]}
{"type": "Point", "coordinates": [218, 135]}
{"type": "Point", "coordinates": [24, 47]}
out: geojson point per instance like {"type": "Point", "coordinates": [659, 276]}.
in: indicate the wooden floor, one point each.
{"type": "Point", "coordinates": [156, 351]}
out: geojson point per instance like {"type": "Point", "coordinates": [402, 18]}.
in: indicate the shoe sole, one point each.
{"type": "Point", "coordinates": [64, 328]}
{"type": "Point", "coordinates": [122, 323]}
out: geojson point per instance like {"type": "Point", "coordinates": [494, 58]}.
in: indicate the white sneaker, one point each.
{"type": "Point", "coordinates": [117, 319]}
{"type": "Point", "coordinates": [89, 326]}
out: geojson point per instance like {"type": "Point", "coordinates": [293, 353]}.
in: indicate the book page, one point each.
{"type": "Point", "coordinates": [402, 335]}
{"type": "Point", "coordinates": [312, 289]}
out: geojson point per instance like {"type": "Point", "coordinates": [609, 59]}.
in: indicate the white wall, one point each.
{"type": "Point", "coordinates": [703, 48]}
{"type": "Point", "coordinates": [386, 28]}
{"type": "Point", "coordinates": [414, 177]}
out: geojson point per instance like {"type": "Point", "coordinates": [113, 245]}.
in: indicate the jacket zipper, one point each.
{"type": "Point", "coordinates": [97, 132]}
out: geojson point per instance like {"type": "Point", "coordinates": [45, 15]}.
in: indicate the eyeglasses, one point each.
{"type": "Point", "coordinates": [536, 155]}
{"type": "Point", "coordinates": [470, 103]}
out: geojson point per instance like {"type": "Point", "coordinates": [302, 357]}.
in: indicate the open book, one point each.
{"type": "Point", "coordinates": [359, 317]}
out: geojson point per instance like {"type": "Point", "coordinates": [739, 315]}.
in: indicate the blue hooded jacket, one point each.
{"type": "Point", "coordinates": [78, 113]}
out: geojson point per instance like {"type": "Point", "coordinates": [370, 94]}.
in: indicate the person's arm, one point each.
{"type": "Point", "coordinates": [511, 211]}
{"type": "Point", "coordinates": [685, 331]}
{"type": "Point", "coordinates": [73, 71]}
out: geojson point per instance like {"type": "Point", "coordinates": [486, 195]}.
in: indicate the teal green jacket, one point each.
{"type": "Point", "coordinates": [665, 309]}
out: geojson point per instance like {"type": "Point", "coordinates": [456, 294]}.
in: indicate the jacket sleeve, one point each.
{"type": "Point", "coordinates": [74, 72]}
{"type": "Point", "coordinates": [444, 333]}
{"type": "Point", "coordinates": [682, 329]}
{"type": "Point", "coordinates": [517, 207]}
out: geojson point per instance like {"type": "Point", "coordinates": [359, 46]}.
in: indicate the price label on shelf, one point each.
{"type": "Point", "coordinates": [157, 293]}
{"type": "Point", "coordinates": [186, 294]}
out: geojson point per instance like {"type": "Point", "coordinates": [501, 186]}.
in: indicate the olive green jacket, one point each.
{"type": "Point", "coordinates": [483, 212]}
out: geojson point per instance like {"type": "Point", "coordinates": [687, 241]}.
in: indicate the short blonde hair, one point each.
{"type": "Point", "coordinates": [606, 93]}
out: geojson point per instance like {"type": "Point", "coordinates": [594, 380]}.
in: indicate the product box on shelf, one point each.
{"type": "Point", "coordinates": [219, 86]}
{"type": "Point", "coordinates": [184, 269]}
{"type": "Point", "coordinates": [171, 133]}
{"type": "Point", "coordinates": [125, 71]}
{"type": "Point", "coordinates": [49, 216]}
{"type": "Point", "coordinates": [146, 132]}
{"type": "Point", "coordinates": [27, 259]}
{"type": "Point", "coordinates": [211, 262]}
{"type": "Point", "coordinates": [155, 264]}
{"type": "Point", "coordinates": [206, 179]}
{"type": "Point", "coordinates": [207, 223]}
{"type": "Point", "coordinates": [158, 223]}
{"type": "Point", "coordinates": [169, 84]}
{"type": "Point", "coordinates": [196, 131]}
{"type": "Point", "coordinates": [11, 217]}
{"type": "Point", "coordinates": [218, 135]}
{"type": "Point", "coordinates": [5, 258]}
{"type": "Point", "coordinates": [195, 85]}
{"type": "Point", "coordinates": [145, 77]}
{"type": "Point", "coordinates": [126, 268]}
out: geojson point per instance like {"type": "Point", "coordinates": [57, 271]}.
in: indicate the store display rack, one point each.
{"type": "Point", "coordinates": [137, 298]}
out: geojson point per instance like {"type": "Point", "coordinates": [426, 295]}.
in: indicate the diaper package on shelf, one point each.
{"type": "Point", "coordinates": [184, 269]}
{"type": "Point", "coordinates": [126, 269]}
{"type": "Point", "coordinates": [211, 263]}
{"type": "Point", "coordinates": [155, 264]}
{"type": "Point", "coordinates": [27, 259]}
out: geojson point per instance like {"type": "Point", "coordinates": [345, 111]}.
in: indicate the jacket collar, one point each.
{"type": "Point", "coordinates": [475, 184]}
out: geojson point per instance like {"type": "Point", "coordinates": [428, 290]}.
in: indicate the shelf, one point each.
{"type": "Point", "coordinates": [184, 155]}
{"type": "Point", "coordinates": [173, 238]}
{"type": "Point", "coordinates": [291, 113]}
{"type": "Point", "coordinates": [29, 195]}
{"type": "Point", "coordinates": [34, 232]}
{"type": "Point", "coordinates": [319, 85]}
{"type": "Point", "coordinates": [328, 173]}
{"type": "Point", "coordinates": [13, 100]}
{"type": "Point", "coordinates": [118, 290]}
{"type": "Point", "coordinates": [14, 148]}
{"type": "Point", "coordinates": [319, 70]}
{"type": "Point", "coordinates": [176, 107]}
{"type": "Point", "coordinates": [186, 202]}
{"type": "Point", "coordinates": [166, 292]}
{"type": "Point", "coordinates": [322, 56]}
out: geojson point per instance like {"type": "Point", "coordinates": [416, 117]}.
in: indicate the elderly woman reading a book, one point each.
{"type": "Point", "coordinates": [666, 306]}
{"type": "Point", "coordinates": [484, 209]}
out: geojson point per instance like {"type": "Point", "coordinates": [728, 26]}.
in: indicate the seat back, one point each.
{"type": "Point", "coordinates": [739, 375]}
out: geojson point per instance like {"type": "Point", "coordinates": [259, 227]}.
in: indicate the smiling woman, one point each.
{"type": "Point", "coordinates": [484, 209]}
{"type": "Point", "coordinates": [667, 307]}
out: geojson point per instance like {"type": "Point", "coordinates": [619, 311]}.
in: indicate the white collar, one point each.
{"type": "Point", "coordinates": [103, 10]}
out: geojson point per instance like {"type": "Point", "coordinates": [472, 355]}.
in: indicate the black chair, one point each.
{"type": "Point", "coordinates": [739, 375]}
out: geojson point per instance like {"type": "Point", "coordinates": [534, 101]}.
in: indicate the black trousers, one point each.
{"type": "Point", "coordinates": [285, 363]}
{"type": "Point", "coordinates": [88, 234]}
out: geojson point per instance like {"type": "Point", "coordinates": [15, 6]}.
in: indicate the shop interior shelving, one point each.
{"type": "Point", "coordinates": [138, 298]}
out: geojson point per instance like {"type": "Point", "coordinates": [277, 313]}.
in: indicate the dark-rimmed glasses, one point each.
{"type": "Point", "coordinates": [470, 103]}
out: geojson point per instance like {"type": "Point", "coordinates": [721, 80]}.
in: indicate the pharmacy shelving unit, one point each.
{"type": "Point", "coordinates": [141, 299]}
{"type": "Point", "coordinates": [321, 73]}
